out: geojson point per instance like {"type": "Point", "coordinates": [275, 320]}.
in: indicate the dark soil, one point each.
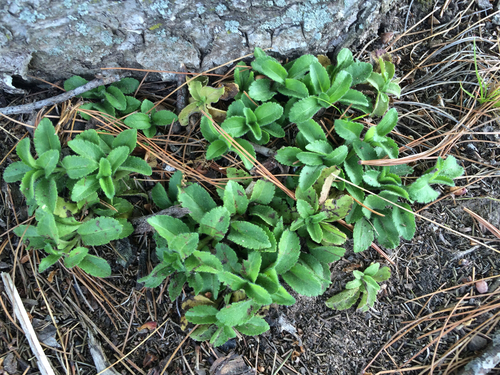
{"type": "Point", "coordinates": [307, 338]}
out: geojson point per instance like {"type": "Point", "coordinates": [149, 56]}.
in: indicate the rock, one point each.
{"type": "Point", "coordinates": [477, 343]}
{"type": "Point", "coordinates": [482, 287]}
{"type": "Point", "coordinates": [55, 39]}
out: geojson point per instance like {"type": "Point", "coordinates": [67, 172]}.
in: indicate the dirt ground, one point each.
{"type": "Point", "coordinates": [433, 54]}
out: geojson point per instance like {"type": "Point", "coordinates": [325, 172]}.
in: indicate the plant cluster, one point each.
{"type": "Point", "coordinates": [59, 189]}
{"type": "Point", "coordinates": [115, 102]}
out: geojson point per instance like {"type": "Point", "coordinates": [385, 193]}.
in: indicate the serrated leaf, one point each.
{"type": "Point", "coordinates": [262, 192]}
{"type": "Point", "coordinates": [222, 335]}
{"type": "Point", "coordinates": [207, 129]}
{"type": "Point", "coordinates": [327, 254]}
{"type": "Point", "coordinates": [248, 235]}
{"type": "Point", "coordinates": [47, 226]}
{"type": "Point", "coordinates": [344, 299]}
{"type": "Point", "coordinates": [235, 199]}
{"type": "Point", "coordinates": [310, 158]}
{"type": "Point", "coordinates": [266, 213]}
{"type": "Point", "coordinates": [309, 175]}
{"type": "Point", "coordinates": [95, 266]}
{"type": "Point", "coordinates": [360, 71]}
{"type": "Point", "coordinates": [160, 197]}
{"type": "Point", "coordinates": [319, 77]}
{"type": "Point", "coordinates": [251, 267]}
{"type": "Point", "coordinates": [137, 165]}
{"type": "Point", "coordinates": [254, 327]}
{"type": "Point", "coordinates": [197, 200]}
{"type": "Point", "coordinates": [184, 244]}
{"type": "Point", "coordinates": [451, 168]}
{"type": "Point", "coordinates": [404, 221]}
{"type": "Point", "coordinates": [340, 86]}
{"type": "Point", "coordinates": [267, 113]}
{"type": "Point", "coordinates": [202, 261]}
{"type": "Point", "coordinates": [156, 277]}
{"type": "Point", "coordinates": [117, 157]}
{"type": "Point", "coordinates": [294, 88]}
{"type": "Point", "coordinates": [78, 166]}
{"type": "Point", "coordinates": [288, 156]}
{"type": "Point", "coordinates": [127, 85]}
{"type": "Point", "coordinates": [84, 188]}
{"type": "Point", "coordinates": [421, 192]}
{"type": "Point", "coordinates": [357, 100]}
{"type": "Point", "coordinates": [235, 282]}
{"type": "Point", "coordinates": [387, 234]}
{"type": "Point", "coordinates": [216, 149]}
{"type": "Point", "coordinates": [48, 261]}
{"type": "Point", "coordinates": [99, 231]}
{"type": "Point", "coordinates": [163, 117]}
{"type": "Point", "coordinates": [107, 186]}
{"type": "Point", "coordinates": [349, 130]}
{"type": "Point", "coordinates": [24, 153]}
{"type": "Point", "coordinates": [312, 131]}
{"type": "Point", "coordinates": [127, 138]}
{"type": "Point", "coordinates": [203, 332]}
{"type": "Point", "coordinates": [363, 235]}
{"type": "Point", "coordinates": [257, 293]}
{"type": "Point", "coordinates": [75, 256]}
{"type": "Point", "coordinates": [304, 109]}
{"type": "Point", "coordinates": [167, 226]}
{"type": "Point", "coordinates": [271, 68]}
{"type": "Point", "coordinates": [116, 98]}
{"type": "Point", "coordinates": [74, 82]}
{"type": "Point", "coordinates": [46, 138]}
{"type": "Point", "coordinates": [249, 150]}
{"type": "Point", "coordinates": [46, 194]}
{"type": "Point", "coordinates": [364, 150]}
{"type": "Point", "coordinates": [86, 149]}
{"type": "Point", "coordinates": [138, 121]}
{"type": "Point", "coordinates": [16, 171]}
{"type": "Point", "coordinates": [202, 314]}
{"type": "Point", "coordinates": [269, 280]}
{"type": "Point", "coordinates": [261, 90]}
{"type": "Point", "coordinates": [235, 126]}
{"type": "Point", "coordinates": [215, 223]}
{"type": "Point", "coordinates": [301, 66]}
{"type": "Point", "coordinates": [303, 280]}
{"type": "Point", "coordinates": [382, 274]}
{"type": "Point", "coordinates": [282, 297]}
{"type": "Point", "coordinates": [236, 313]}
{"type": "Point", "coordinates": [370, 282]}
{"type": "Point", "coordinates": [176, 285]}
{"type": "Point", "coordinates": [332, 235]}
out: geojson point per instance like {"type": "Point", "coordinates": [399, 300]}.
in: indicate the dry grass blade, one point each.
{"type": "Point", "coordinates": [484, 223]}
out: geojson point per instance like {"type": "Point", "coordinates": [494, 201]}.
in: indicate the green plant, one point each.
{"type": "Point", "coordinates": [115, 102]}
{"type": "Point", "coordinates": [488, 93]}
{"type": "Point", "coordinates": [202, 97]}
{"type": "Point", "coordinates": [364, 284]}
{"type": "Point", "coordinates": [383, 82]}
{"type": "Point", "coordinates": [102, 165]}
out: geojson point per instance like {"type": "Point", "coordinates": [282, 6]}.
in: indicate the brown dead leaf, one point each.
{"type": "Point", "coordinates": [352, 267]}
{"type": "Point", "coordinates": [231, 89]}
{"type": "Point", "coordinates": [149, 359]}
{"type": "Point", "coordinates": [50, 278]}
{"type": "Point", "coordinates": [151, 326]}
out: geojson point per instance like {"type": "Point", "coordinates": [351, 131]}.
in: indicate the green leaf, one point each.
{"type": "Point", "coordinates": [421, 191]}
{"type": "Point", "coordinates": [235, 199]}
{"type": "Point", "coordinates": [167, 226]}
{"type": "Point", "coordinates": [332, 235]}
{"type": "Point", "coordinates": [74, 82]}
{"type": "Point", "coordinates": [222, 335]}
{"type": "Point", "coordinates": [16, 171]}
{"type": "Point", "coordinates": [301, 66]}
{"type": "Point", "coordinates": [266, 213]}
{"type": "Point", "coordinates": [337, 156]}
{"type": "Point", "coordinates": [393, 89]}
{"type": "Point", "coordinates": [319, 77]}
{"type": "Point", "coordinates": [304, 109]}
{"type": "Point", "coordinates": [95, 266]}
{"type": "Point", "coordinates": [186, 112]}
{"type": "Point", "coordinates": [261, 90]}
{"type": "Point", "coordinates": [327, 254]}
{"type": "Point", "coordinates": [288, 156]}
{"type": "Point", "coordinates": [372, 269]}
{"type": "Point", "coordinates": [84, 187]}
{"type": "Point", "coordinates": [202, 261]}
{"type": "Point", "coordinates": [258, 294]}
{"type": "Point", "coordinates": [176, 285]}
{"type": "Point", "coordinates": [28, 183]}
{"type": "Point", "coordinates": [138, 121]}
{"type": "Point", "coordinates": [381, 104]}
{"type": "Point", "coordinates": [255, 326]}
{"type": "Point", "coordinates": [337, 208]}
{"type": "Point", "coordinates": [86, 149]}
{"type": "Point", "coordinates": [48, 261]}
{"type": "Point", "coordinates": [268, 112]}
{"type": "Point", "coordinates": [104, 168]}
{"type": "Point", "coordinates": [116, 98]}
{"type": "Point", "coordinates": [251, 267]}
{"type": "Point", "coordinates": [235, 126]}
{"type": "Point", "coordinates": [127, 138]}
{"type": "Point", "coordinates": [150, 132]}
{"type": "Point", "coordinates": [248, 235]}
{"type": "Point", "coordinates": [364, 150]}
{"type": "Point", "coordinates": [340, 86]}
{"type": "Point", "coordinates": [137, 165]}
{"type": "Point", "coordinates": [236, 313]}
{"type": "Point", "coordinates": [163, 117]}
{"type": "Point", "coordinates": [382, 274]}
{"type": "Point", "coordinates": [47, 226]}
{"type": "Point", "coordinates": [249, 150]}
{"type": "Point", "coordinates": [215, 223]}
{"type": "Point", "coordinates": [309, 175]}
{"type": "Point", "coordinates": [356, 100]}
{"type": "Point", "coordinates": [271, 68]}
{"type": "Point", "coordinates": [160, 197]}
{"type": "Point", "coordinates": [360, 71]}
{"type": "Point", "coordinates": [304, 209]}
{"type": "Point", "coordinates": [75, 256]}
{"type": "Point", "coordinates": [371, 283]}
{"type": "Point", "coordinates": [294, 88]}
{"type": "Point", "coordinates": [216, 149]}
{"type": "Point", "coordinates": [208, 131]}
{"type": "Point", "coordinates": [404, 221]}
{"type": "Point", "coordinates": [46, 138]}
{"type": "Point", "coordinates": [363, 235]}
{"type": "Point", "coordinates": [388, 235]}
{"type": "Point", "coordinates": [48, 161]}
{"type": "Point", "coordinates": [46, 194]}
{"type": "Point", "coordinates": [344, 59]}
{"type": "Point", "coordinates": [451, 168]}
{"type": "Point", "coordinates": [303, 280]}
{"type": "Point", "coordinates": [127, 85]}
{"type": "Point", "coordinates": [344, 299]}
{"type": "Point", "coordinates": [173, 185]}
{"type": "Point", "coordinates": [78, 166]}
{"type": "Point", "coordinates": [99, 231]}
{"type": "Point", "coordinates": [349, 130]}
{"type": "Point", "coordinates": [387, 123]}
{"type": "Point", "coordinates": [24, 153]}
{"type": "Point", "coordinates": [197, 200]}
{"type": "Point", "coordinates": [203, 332]}
{"type": "Point", "coordinates": [312, 131]}
{"type": "Point", "coordinates": [269, 280]}
{"type": "Point", "coordinates": [202, 314]}
{"type": "Point", "coordinates": [282, 297]}
{"type": "Point", "coordinates": [261, 192]}
{"type": "Point", "coordinates": [184, 244]}
{"type": "Point", "coordinates": [117, 157]}
{"type": "Point", "coordinates": [156, 277]}
{"type": "Point", "coordinates": [235, 282]}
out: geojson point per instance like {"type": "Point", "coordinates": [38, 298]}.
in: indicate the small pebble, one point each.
{"type": "Point", "coordinates": [482, 287]}
{"type": "Point", "coordinates": [477, 343]}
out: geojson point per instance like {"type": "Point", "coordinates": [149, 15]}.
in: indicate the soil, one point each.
{"type": "Point", "coordinates": [308, 337]}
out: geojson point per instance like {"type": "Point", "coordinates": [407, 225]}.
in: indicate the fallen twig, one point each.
{"type": "Point", "coordinates": [27, 108]}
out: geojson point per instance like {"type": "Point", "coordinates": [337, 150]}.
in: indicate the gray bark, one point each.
{"type": "Point", "coordinates": [55, 39]}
